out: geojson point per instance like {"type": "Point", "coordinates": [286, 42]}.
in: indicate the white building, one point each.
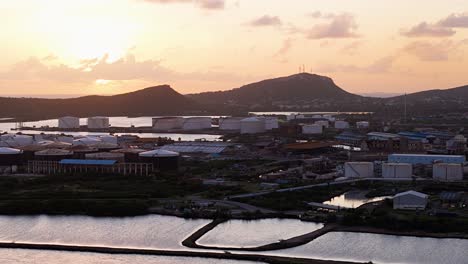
{"type": "Point", "coordinates": [69, 122]}
{"type": "Point", "coordinates": [98, 122]}
{"type": "Point", "coordinates": [271, 122]}
{"type": "Point", "coordinates": [197, 123]}
{"type": "Point", "coordinates": [168, 123]}
{"type": "Point", "coordinates": [341, 124]}
{"type": "Point", "coordinates": [311, 129]}
{"type": "Point", "coordinates": [230, 123]}
{"type": "Point", "coordinates": [359, 169]}
{"type": "Point", "coordinates": [397, 170]}
{"type": "Point", "coordinates": [362, 124]}
{"type": "Point", "coordinates": [253, 125]}
{"type": "Point", "coordinates": [323, 123]}
{"type": "Point", "coordinates": [410, 200]}
{"type": "Point", "coordinates": [447, 172]}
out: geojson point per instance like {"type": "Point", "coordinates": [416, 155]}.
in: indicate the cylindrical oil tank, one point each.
{"type": "Point", "coordinates": [230, 123]}
{"type": "Point", "coordinates": [98, 122]}
{"type": "Point", "coordinates": [53, 154]}
{"type": "Point", "coordinates": [10, 156]}
{"type": "Point", "coordinates": [69, 122]}
{"type": "Point", "coordinates": [359, 169]}
{"type": "Point", "coordinates": [447, 172]}
{"type": "Point", "coordinates": [362, 124]}
{"type": "Point", "coordinates": [163, 160]}
{"type": "Point", "coordinates": [397, 170]}
{"type": "Point", "coordinates": [252, 125]}
{"type": "Point", "coordinates": [86, 141]}
{"type": "Point", "coordinates": [312, 129]}
{"type": "Point", "coordinates": [167, 123]}
{"type": "Point", "coordinates": [197, 123]}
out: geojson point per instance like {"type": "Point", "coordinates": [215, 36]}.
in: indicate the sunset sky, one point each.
{"type": "Point", "coordinates": [65, 48]}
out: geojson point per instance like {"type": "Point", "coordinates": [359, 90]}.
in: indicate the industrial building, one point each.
{"type": "Point", "coordinates": [67, 122]}
{"type": "Point", "coordinates": [339, 124]}
{"type": "Point", "coordinates": [425, 159]}
{"type": "Point", "coordinates": [323, 123]}
{"type": "Point", "coordinates": [359, 169]}
{"type": "Point", "coordinates": [397, 170]}
{"type": "Point", "coordinates": [271, 122]}
{"type": "Point", "coordinates": [410, 200]}
{"type": "Point", "coordinates": [10, 158]}
{"type": "Point", "coordinates": [362, 125]}
{"type": "Point", "coordinates": [311, 129]}
{"type": "Point", "coordinates": [98, 122]}
{"type": "Point", "coordinates": [447, 172]}
{"type": "Point", "coordinates": [53, 154]}
{"type": "Point", "coordinates": [200, 147]}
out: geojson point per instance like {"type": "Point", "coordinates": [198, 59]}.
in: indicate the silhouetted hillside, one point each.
{"type": "Point", "coordinates": [158, 100]}
{"type": "Point", "coordinates": [302, 91]}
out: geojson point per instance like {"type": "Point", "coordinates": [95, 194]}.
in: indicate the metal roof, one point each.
{"type": "Point", "coordinates": [87, 162]}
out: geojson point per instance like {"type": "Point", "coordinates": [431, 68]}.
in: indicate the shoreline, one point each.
{"type": "Point", "coordinates": [170, 253]}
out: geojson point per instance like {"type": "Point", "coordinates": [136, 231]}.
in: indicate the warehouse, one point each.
{"type": "Point", "coordinates": [410, 200]}
{"type": "Point", "coordinates": [162, 160]}
{"type": "Point", "coordinates": [10, 158]}
{"type": "Point", "coordinates": [359, 169]}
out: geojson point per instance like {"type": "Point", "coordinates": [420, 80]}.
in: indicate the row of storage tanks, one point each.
{"type": "Point", "coordinates": [249, 125]}
{"type": "Point", "coordinates": [440, 171]}
{"type": "Point", "coordinates": [95, 122]}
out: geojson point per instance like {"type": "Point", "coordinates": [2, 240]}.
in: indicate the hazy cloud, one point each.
{"type": "Point", "coordinates": [352, 48]}
{"type": "Point", "coordinates": [205, 4]}
{"type": "Point", "coordinates": [382, 65]}
{"type": "Point", "coordinates": [124, 69]}
{"type": "Point", "coordinates": [266, 20]}
{"type": "Point", "coordinates": [430, 51]}
{"type": "Point", "coordinates": [287, 45]}
{"type": "Point", "coordinates": [338, 26]}
{"type": "Point", "coordinates": [455, 21]}
{"type": "Point", "coordinates": [427, 30]}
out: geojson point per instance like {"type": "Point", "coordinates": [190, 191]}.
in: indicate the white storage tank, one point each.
{"type": "Point", "coordinates": [323, 123]}
{"type": "Point", "coordinates": [252, 125]}
{"type": "Point", "coordinates": [397, 170]}
{"type": "Point", "coordinates": [197, 123]}
{"type": "Point", "coordinates": [69, 122]}
{"type": "Point", "coordinates": [98, 122]}
{"type": "Point", "coordinates": [341, 124]}
{"type": "Point", "coordinates": [362, 124]}
{"type": "Point", "coordinates": [271, 122]}
{"type": "Point", "coordinates": [230, 123]}
{"type": "Point", "coordinates": [167, 123]}
{"type": "Point", "coordinates": [312, 129]}
{"type": "Point", "coordinates": [447, 172]}
{"type": "Point", "coordinates": [359, 169]}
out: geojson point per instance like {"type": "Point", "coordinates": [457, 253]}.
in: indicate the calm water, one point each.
{"type": "Point", "coordinates": [22, 256]}
{"type": "Point", "coordinates": [166, 232]}
{"type": "Point", "coordinates": [353, 199]}
{"type": "Point", "coordinates": [114, 121]}
{"type": "Point", "coordinates": [152, 231]}
{"type": "Point", "coordinates": [239, 233]}
{"type": "Point", "coordinates": [363, 247]}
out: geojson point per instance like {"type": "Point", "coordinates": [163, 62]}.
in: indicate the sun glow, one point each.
{"type": "Point", "coordinates": [86, 36]}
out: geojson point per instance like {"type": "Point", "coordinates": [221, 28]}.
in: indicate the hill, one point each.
{"type": "Point", "coordinates": [302, 91]}
{"type": "Point", "coordinates": [433, 101]}
{"type": "Point", "coordinates": [157, 100]}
